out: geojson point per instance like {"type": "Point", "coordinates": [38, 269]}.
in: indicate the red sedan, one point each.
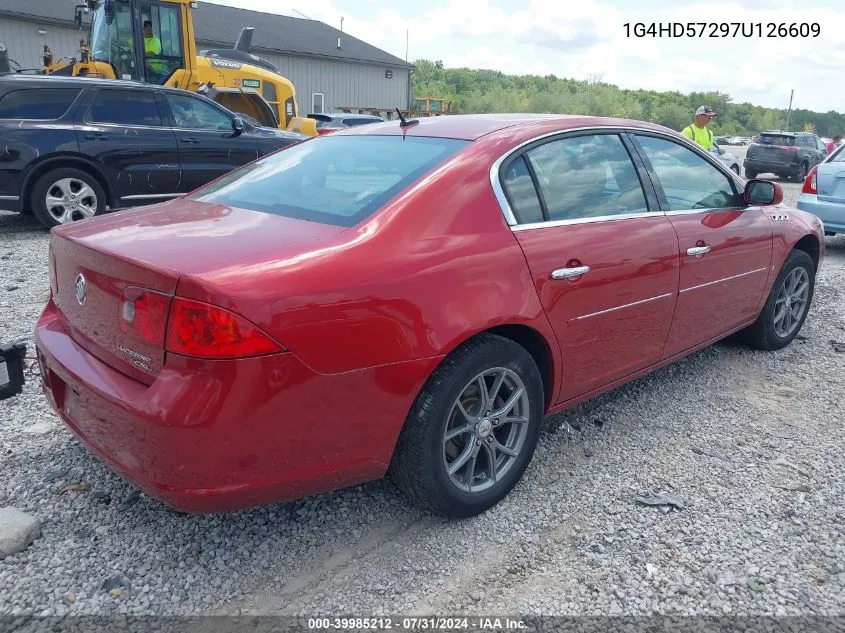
{"type": "Point", "coordinates": [411, 299]}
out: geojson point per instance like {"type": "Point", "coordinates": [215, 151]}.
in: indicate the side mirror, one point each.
{"type": "Point", "coordinates": [238, 125]}
{"type": "Point", "coordinates": [763, 192]}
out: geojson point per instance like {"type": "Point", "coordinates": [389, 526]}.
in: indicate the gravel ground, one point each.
{"type": "Point", "coordinates": [752, 442]}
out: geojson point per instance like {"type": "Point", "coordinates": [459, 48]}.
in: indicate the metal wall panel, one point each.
{"type": "Point", "coordinates": [26, 45]}
{"type": "Point", "coordinates": [343, 83]}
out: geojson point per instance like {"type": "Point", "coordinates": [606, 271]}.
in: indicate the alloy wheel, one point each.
{"type": "Point", "coordinates": [71, 199]}
{"type": "Point", "coordinates": [486, 430]}
{"type": "Point", "coordinates": [791, 302]}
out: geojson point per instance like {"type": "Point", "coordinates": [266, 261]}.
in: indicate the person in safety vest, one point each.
{"type": "Point", "coordinates": [152, 48]}
{"type": "Point", "coordinates": [698, 131]}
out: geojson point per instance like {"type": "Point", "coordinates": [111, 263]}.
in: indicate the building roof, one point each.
{"type": "Point", "coordinates": [218, 26]}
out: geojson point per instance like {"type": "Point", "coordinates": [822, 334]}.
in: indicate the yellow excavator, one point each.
{"type": "Point", "coordinates": [153, 41]}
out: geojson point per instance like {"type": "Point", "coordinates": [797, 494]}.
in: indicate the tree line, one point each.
{"type": "Point", "coordinates": [486, 91]}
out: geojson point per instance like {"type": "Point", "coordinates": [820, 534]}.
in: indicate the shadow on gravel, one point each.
{"type": "Point", "coordinates": [20, 223]}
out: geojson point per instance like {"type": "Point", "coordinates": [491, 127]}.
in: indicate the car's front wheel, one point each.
{"type": "Point", "coordinates": [472, 430]}
{"type": "Point", "coordinates": [65, 195]}
{"type": "Point", "coordinates": [786, 308]}
{"type": "Point", "coordinates": [735, 169]}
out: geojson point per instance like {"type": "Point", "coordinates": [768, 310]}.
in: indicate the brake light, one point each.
{"type": "Point", "coordinates": [205, 331]}
{"type": "Point", "coordinates": [810, 182]}
{"type": "Point", "coordinates": [54, 278]}
{"type": "Point", "coordinates": [143, 315]}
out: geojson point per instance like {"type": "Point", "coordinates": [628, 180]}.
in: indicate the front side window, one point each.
{"type": "Point", "coordinates": [125, 107]}
{"type": "Point", "coordinates": [195, 114]}
{"type": "Point", "coordinates": [689, 182]}
{"type": "Point", "coordinates": [42, 104]}
{"type": "Point", "coordinates": [331, 179]}
{"type": "Point", "coordinates": [587, 176]}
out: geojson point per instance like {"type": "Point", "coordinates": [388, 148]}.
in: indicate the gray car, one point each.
{"type": "Point", "coordinates": [823, 193]}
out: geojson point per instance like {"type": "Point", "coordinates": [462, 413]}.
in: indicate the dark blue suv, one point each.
{"type": "Point", "coordinates": [72, 148]}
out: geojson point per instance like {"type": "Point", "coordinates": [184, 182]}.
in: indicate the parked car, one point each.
{"type": "Point", "coordinates": [788, 155]}
{"type": "Point", "coordinates": [823, 193]}
{"type": "Point", "coordinates": [731, 161]}
{"type": "Point", "coordinates": [78, 147]}
{"type": "Point", "coordinates": [410, 298]}
{"type": "Point", "coordinates": [328, 123]}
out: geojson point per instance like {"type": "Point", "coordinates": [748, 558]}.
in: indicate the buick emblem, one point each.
{"type": "Point", "coordinates": [81, 290]}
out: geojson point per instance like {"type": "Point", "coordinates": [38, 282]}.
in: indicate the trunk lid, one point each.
{"type": "Point", "coordinates": [98, 262]}
{"type": "Point", "coordinates": [830, 182]}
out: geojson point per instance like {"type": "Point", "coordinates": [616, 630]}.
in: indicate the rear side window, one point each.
{"type": "Point", "coordinates": [42, 104]}
{"type": "Point", "coordinates": [521, 193]}
{"type": "Point", "coordinates": [331, 179]}
{"type": "Point", "coordinates": [125, 107]}
{"type": "Point", "coordinates": [776, 139]}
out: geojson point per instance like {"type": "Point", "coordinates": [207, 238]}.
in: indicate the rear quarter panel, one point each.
{"type": "Point", "coordinates": [23, 143]}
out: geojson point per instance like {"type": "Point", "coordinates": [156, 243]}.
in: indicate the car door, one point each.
{"type": "Point", "coordinates": [725, 246]}
{"type": "Point", "coordinates": [122, 129]}
{"type": "Point", "coordinates": [603, 259]}
{"type": "Point", "coordinates": [208, 144]}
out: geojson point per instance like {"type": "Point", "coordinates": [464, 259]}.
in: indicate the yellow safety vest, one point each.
{"type": "Point", "coordinates": [702, 136]}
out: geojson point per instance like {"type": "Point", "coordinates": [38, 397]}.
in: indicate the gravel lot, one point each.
{"type": "Point", "coordinates": [752, 442]}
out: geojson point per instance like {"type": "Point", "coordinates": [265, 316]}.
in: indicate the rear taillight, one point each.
{"type": "Point", "coordinates": [143, 315]}
{"type": "Point", "coordinates": [54, 279]}
{"type": "Point", "coordinates": [201, 330]}
{"type": "Point", "coordinates": [810, 182]}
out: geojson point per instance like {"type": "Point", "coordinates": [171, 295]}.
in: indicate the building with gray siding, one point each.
{"type": "Point", "coordinates": [330, 69]}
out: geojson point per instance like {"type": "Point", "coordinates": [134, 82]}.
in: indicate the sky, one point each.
{"type": "Point", "coordinates": [585, 39]}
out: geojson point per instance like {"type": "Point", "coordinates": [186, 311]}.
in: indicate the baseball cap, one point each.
{"type": "Point", "coordinates": [705, 110]}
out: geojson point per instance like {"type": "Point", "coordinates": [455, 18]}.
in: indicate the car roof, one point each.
{"type": "Point", "coordinates": [43, 81]}
{"type": "Point", "coordinates": [471, 127]}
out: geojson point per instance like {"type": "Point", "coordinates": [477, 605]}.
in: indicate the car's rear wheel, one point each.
{"type": "Point", "coordinates": [786, 308]}
{"type": "Point", "coordinates": [472, 430]}
{"type": "Point", "coordinates": [65, 195]}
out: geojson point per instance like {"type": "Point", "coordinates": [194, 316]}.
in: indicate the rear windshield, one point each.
{"type": "Point", "coordinates": [776, 139]}
{"type": "Point", "coordinates": [330, 179]}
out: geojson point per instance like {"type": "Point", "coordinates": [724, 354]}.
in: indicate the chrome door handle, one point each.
{"type": "Point", "coordinates": [568, 273]}
{"type": "Point", "coordinates": [698, 251]}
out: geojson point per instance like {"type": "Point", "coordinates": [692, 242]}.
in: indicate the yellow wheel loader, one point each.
{"type": "Point", "coordinates": [153, 41]}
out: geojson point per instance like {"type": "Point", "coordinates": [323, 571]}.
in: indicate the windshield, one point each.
{"type": "Point", "coordinates": [330, 179]}
{"type": "Point", "coordinates": [113, 43]}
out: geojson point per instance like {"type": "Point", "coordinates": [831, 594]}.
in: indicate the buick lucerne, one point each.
{"type": "Point", "coordinates": [407, 299]}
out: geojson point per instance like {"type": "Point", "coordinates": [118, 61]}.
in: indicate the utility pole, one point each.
{"type": "Point", "coordinates": [789, 112]}
{"type": "Point", "coordinates": [341, 24]}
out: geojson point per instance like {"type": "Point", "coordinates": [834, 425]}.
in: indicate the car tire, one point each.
{"type": "Point", "coordinates": [735, 169]}
{"type": "Point", "coordinates": [801, 174]}
{"type": "Point", "coordinates": [424, 453]}
{"type": "Point", "coordinates": [62, 185]}
{"type": "Point", "coordinates": [769, 332]}
{"type": "Point", "coordinates": [750, 174]}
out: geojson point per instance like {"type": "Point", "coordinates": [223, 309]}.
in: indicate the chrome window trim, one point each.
{"type": "Point", "coordinates": [718, 281]}
{"type": "Point", "coordinates": [627, 305]}
{"type": "Point", "coordinates": [10, 197]}
{"type": "Point", "coordinates": [153, 196]}
{"type": "Point", "coordinates": [513, 223]}
{"type": "Point", "coordinates": [574, 221]}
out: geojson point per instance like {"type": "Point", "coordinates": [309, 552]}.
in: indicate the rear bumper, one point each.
{"type": "Point", "coordinates": [225, 435]}
{"type": "Point", "coordinates": [831, 213]}
{"type": "Point", "coordinates": [767, 166]}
